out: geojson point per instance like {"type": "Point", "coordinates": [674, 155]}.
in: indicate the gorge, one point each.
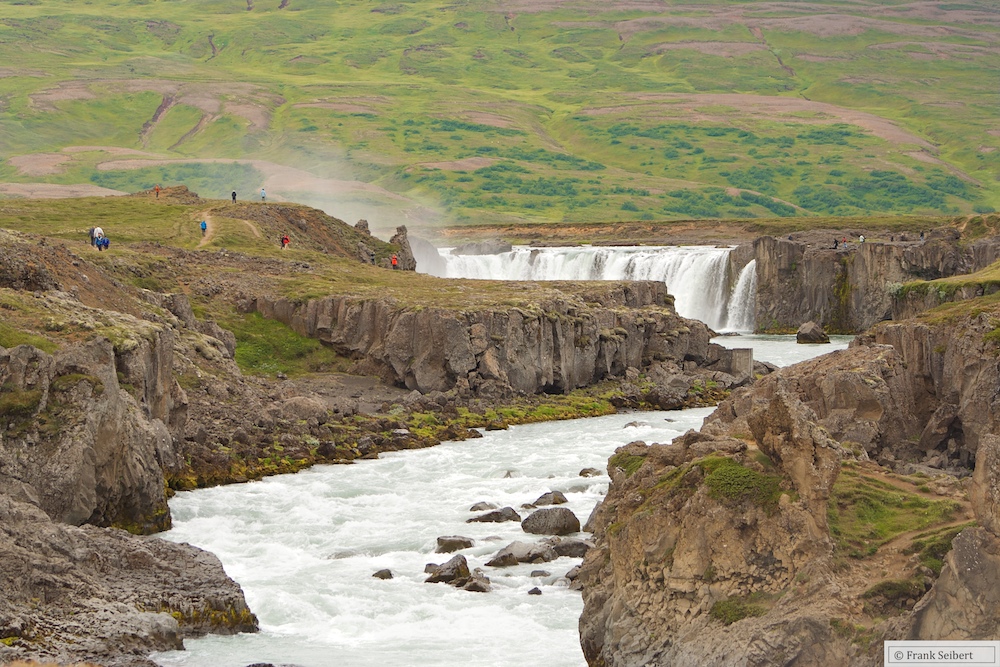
{"type": "Point", "coordinates": [109, 372]}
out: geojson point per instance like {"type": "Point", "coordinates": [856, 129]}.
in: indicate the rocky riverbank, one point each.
{"type": "Point", "coordinates": [819, 511]}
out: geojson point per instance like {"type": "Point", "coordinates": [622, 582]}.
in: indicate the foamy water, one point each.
{"type": "Point", "coordinates": [304, 546]}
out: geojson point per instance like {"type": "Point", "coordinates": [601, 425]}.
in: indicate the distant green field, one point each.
{"type": "Point", "coordinates": [503, 111]}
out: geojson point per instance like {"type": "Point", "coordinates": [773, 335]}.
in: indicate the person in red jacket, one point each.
{"type": "Point", "coordinates": [285, 241]}
{"type": "Point", "coordinates": [395, 262]}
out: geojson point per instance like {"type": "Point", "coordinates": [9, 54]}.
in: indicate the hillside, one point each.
{"type": "Point", "coordinates": [508, 112]}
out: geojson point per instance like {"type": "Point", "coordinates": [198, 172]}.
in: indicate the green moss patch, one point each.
{"type": "Point", "coordinates": [865, 512]}
{"type": "Point", "coordinates": [734, 483]}
{"type": "Point", "coordinates": [932, 546]}
{"type": "Point", "coordinates": [629, 463]}
{"type": "Point", "coordinates": [730, 610]}
{"type": "Point", "coordinates": [268, 347]}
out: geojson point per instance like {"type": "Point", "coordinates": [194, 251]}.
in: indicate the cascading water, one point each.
{"type": "Point", "coordinates": [697, 276]}
{"type": "Point", "coordinates": [743, 301]}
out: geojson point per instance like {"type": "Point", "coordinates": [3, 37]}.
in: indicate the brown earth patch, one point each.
{"type": "Point", "coordinates": [465, 164]}
{"type": "Point", "coordinates": [987, 149]}
{"type": "Point", "coordinates": [491, 119]}
{"type": "Point", "coordinates": [993, 133]}
{"type": "Point", "coordinates": [783, 107]}
{"type": "Point", "coordinates": [723, 49]}
{"type": "Point", "coordinates": [537, 6]}
{"type": "Point", "coordinates": [345, 107]}
{"type": "Point", "coordinates": [809, 58]}
{"type": "Point", "coordinates": [250, 102]}
{"type": "Point", "coordinates": [110, 150]}
{"type": "Point", "coordinates": [39, 164]}
{"type": "Point", "coordinates": [55, 191]}
{"type": "Point", "coordinates": [8, 72]}
{"type": "Point", "coordinates": [821, 23]}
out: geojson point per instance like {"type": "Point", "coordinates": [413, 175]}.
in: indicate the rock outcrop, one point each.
{"type": "Point", "coordinates": [404, 255]}
{"type": "Point", "coordinates": [850, 288]}
{"type": "Point", "coordinates": [72, 594]}
{"type": "Point", "coordinates": [557, 345]}
{"type": "Point", "coordinates": [721, 548]}
{"type": "Point", "coordinates": [80, 446]}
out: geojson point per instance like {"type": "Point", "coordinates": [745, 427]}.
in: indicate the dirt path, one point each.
{"type": "Point", "coordinates": [209, 233]}
{"type": "Point", "coordinates": [213, 228]}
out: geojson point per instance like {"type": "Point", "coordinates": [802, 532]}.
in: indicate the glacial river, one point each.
{"type": "Point", "coordinates": [304, 546]}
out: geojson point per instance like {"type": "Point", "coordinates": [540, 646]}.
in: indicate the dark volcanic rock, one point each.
{"type": "Point", "coordinates": [497, 516]}
{"type": "Point", "coordinates": [552, 521]}
{"type": "Point", "coordinates": [449, 543]}
{"type": "Point", "coordinates": [551, 498]}
{"type": "Point", "coordinates": [810, 332]}
{"type": "Point", "coordinates": [456, 568]}
{"type": "Point", "coordinates": [383, 574]}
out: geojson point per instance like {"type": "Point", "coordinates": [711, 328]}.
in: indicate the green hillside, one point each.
{"type": "Point", "coordinates": [471, 111]}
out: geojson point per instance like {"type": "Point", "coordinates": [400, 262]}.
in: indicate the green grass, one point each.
{"type": "Point", "coordinates": [734, 483]}
{"type": "Point", "coordinates": [730, 610]}
{"type": "Point", "coordinates": [268, 347]}
{"type": "Point", "coordinates": [866, 512]}
{"type": "Point", "coordinates": [392, 94]}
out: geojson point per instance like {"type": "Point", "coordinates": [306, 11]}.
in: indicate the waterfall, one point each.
{"type": "Point", "coordinates": [697, 276]}
{"type": "Point", "coordinates": [742, 308]}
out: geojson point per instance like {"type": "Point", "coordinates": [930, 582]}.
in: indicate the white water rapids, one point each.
{"type": "Point", "coordinates": [304, 546]}
{"type": "Point", "coordinates": [697, 276]}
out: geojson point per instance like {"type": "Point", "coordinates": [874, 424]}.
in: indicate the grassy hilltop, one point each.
{"type": "Point", "coordinates": [510, 111]}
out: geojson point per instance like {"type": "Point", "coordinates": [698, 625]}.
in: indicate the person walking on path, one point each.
{"type": "Point", "coordinates": [395, 262]}
{"type": "Point", "coordinates": [157, 190]}
{"type": "Point", "coordinates": [91, 236]}
{"type": "Point", "coordinates": [234, 196]}
{"type": "Point", "coordinates": [263, 195]}
{"type": "Point", "coordinates": [204, 227]}
{"type": "Point", "coordinates": [285, 241]}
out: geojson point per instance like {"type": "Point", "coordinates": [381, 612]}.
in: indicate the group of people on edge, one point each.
{"type": "Point", "coordinates": [98, 239]}
{"type": "Point", "coordinates": [263, 195]}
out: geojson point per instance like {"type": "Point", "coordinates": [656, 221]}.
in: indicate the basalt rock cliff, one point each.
{"type": "Point", "coordinates": [850, 288]}
{"type": "Point", "coordinates": [556, 345]}
{"type": "Point", "coordinates": [741, 544]}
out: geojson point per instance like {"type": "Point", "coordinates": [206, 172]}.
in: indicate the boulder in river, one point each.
{"type": "Point", "coordinates": [482, 507]}
{"type": "Point", "coordinates": [523, 552]}
{"type": "Point", "coordinates": [456, 568]}
{"type": "Point", "coordinates": [810, 333]}
{"type": "Point", "coordinates": [551, 521]}
{"type": "Point", "coordinates": [551, 498]}
{"type": "Point", "coordinates": [383, 574]}
{"type": "Point", "coordinates": [590, 472]}
{"type": "Point", "coordinates": [568, 546]}
{"type": "Point", "coordinates": [497, 516]}
{"type": "Point", "coordinates": [477, 583]}
{"type": "Point", "coordinates": [450, 543]}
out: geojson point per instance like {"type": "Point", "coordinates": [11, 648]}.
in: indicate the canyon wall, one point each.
{"type": "Point", "coordinates": [850, 288]}
{"type": "Point", "coordinates": [557, 344]}
{"type": "Point", "coordinates": [718, 549]}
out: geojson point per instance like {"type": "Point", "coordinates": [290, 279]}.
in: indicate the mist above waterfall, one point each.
{"type": "Point", "coordinates": [697, 276]}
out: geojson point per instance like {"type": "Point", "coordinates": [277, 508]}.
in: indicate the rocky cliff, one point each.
{"type": "Point", "coordinates": [850, 288]}
{"type": "Point", "coordinates": [559, 344]}
{"type": "Point", "coordinates": [763, 538]}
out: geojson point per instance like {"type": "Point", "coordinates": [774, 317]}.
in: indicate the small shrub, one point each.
{"type": "Point", "coordinates": [730, 610]}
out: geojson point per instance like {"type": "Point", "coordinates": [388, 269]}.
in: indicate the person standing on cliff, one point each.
{"type": "Point", "coordinates": [157, 190]}
{"type": "Point", "coordinates": [234, 196]}
{"type": "Point", "coordinates": [263, 195]}
{"type": "Point", "coordinates": [395, 262]}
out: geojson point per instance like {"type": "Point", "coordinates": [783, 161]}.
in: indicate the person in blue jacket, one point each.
{"type": "Point", "coordinates": [204, 227]}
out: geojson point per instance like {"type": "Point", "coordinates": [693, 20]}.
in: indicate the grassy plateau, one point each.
{"type": "Point", "coordinates": [508, 112]}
